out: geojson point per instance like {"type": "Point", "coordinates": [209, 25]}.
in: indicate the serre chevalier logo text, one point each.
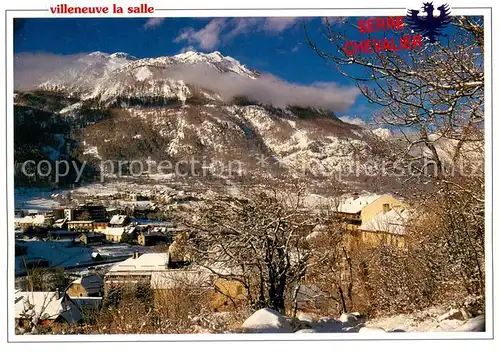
{"type": "Point", "coordinates": [428, 27]}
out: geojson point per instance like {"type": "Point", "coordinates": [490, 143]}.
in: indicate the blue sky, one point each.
{"type": "Point", "coordinates": [272, 45]}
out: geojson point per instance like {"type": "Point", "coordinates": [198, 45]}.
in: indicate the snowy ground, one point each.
{"type": "Point", "coordinates": [34, 199]}
{"type": "Point", "coordinates": [432, 320]}
{"type": "Point", "coordinates": [43, 200]}
{"type": "Point", "coordinates": [64, 254]}
{"type": "Point", "coordinates": [427, 320]}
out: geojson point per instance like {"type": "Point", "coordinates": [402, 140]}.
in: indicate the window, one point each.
{"type": "Point", "coordinates": [386, 207]}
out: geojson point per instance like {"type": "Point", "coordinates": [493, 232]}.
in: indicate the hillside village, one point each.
{"type": "Point", "coordinates": [105, 249]}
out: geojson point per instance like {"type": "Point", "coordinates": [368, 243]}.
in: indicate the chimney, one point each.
{"type": "Point", "coordinates": [355, 195]}
{"type": "Point", "coordinates": [137, 254]}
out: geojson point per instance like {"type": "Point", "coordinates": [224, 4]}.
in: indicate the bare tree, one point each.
{"type": "Point", "coordinates": [433, 96]}
{"type": "Point", "coordinates": [259, 241]}
{"type": "Point", "coordinates": [331, 266]}
{"type": "Point", "coordinates": [432, 92]}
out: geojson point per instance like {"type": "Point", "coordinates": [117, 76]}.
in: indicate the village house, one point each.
{"type": "Point", "coordinates": [223, 294]}
{"type": "Point", "coordinates": [387, 227]}
{"type": "Point", "coordinates": [119, 221]}
{"type": "Point", "coordinates": [58, 213]}
{"type": "Point", "coordinates": [227, 293]}
{"type": "Point", "coordinates": [100, 225]}
{"type": "Point", "coordinates": [357, 208]}
{"type": "Point", "coordinates": [153, 238]}
{"type": "Point", "coordinates": [157, 226]}
{"type": "Point", "coordinates": [136, 270]}
{"type": "Point", "coordinates": [48, 307]}
{"type": "Point", "coordinates": [114, 234]}
{"type": "Point", "coordinates": [81, 225]}
{"type": "Point", "coordinates": [86, 225]}
{"type": "Point", "coordinates": [119, 234]}
{"type": "Point", "coordinates": [93, 212]}
{"type": "Point", "coordinates": [166, 276]}
{"type": "Point", "coordinates": [30, 221]}
{"type": "Point", "coordinates": [372, 219]}
{"type": "Point", "coordinates": [136, 197]}
{"type": "Point", "coordinates": [61, 223]}
{"type": "Point", "coordinates": [61, 234]}
{"type": "Point", "coordinates": [86, 286]}
{"type": "Point", "coordinates": [92, 238]}
{"type": "Point", "coordinates": [68, 214]}
{"type": "Point", "coordinates": [49, 219]}
{"type": "Point", "coordinates": [172, 281]}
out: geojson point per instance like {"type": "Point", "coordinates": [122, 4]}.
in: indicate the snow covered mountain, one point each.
{"type": "Point", "coordinates": [121, 107]}
{"type": "Point", "coordinates": [86, 71]}
{"type": "Point", "coordinates": [108, 77]}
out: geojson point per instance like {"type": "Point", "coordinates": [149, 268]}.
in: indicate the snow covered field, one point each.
{"type": "Point", "coordinates": [64, 254]}
{"type": "Point", "coordinates": [34, 199]}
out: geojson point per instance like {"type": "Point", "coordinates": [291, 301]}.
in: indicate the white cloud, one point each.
{"type": "Point", "coordinates": [241, 26]}
{"type": "Point", "coordinates": [206, 38]}
{"type": "Point", "coordinates": [279, 24]}
{"type": "Point", "coordinates": [267, 89]}
{"type": "Point", "coordinates": [223, 29]}
{"type": "Point", "coordinates": [31, 69]}
{"type": "Point", "coordinates": [154, 22]}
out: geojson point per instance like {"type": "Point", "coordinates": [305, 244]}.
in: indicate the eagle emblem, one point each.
{"type": "Point", "coordinates": [429, 26]}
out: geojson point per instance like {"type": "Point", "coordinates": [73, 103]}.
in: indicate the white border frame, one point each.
{"type": "Point", "coordinates": [486, 12]}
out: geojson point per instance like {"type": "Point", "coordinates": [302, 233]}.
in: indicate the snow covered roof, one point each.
{"type": "Point", "coordinates": [46, 305]}
{"type": "Point", "coordinates": [145, 262]}
{"type": "Point", "coordinates": [57, 253]}
{"type": "Point", "coordinates": [355, 203]}
{"type": "Point", "coordinates": [392, 221]}
{"type": "Point", "coordinates": [91, 283]}
{"type": "Point", "coordinates": [118, 219]}
{"type": "Point", "coordinates": [113, 231]}
{"type": "Point", "coordinates": [37, 219]}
